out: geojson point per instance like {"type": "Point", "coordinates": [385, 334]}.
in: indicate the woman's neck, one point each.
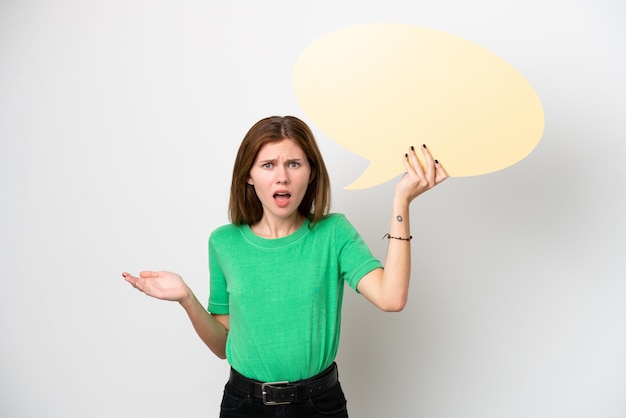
{"type": "Point", "coordinates": [277, 228]}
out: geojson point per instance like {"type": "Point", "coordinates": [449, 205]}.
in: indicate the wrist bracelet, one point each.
{"type": "Point", "coordinates": [400, 238]}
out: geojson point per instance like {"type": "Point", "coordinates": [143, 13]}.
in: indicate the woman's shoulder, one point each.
{"type": "Point", "coordinates": [335, 220]}
{"type": "Point", "coordinates": [332, 218]}
{"type": "Point", "coordinates": [225, 232]}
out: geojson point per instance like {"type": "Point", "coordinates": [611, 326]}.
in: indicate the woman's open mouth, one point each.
{"type": "Point", "coordinates": [282, 198]}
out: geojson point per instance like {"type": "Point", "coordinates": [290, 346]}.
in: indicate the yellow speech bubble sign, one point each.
{"type": "Point", "coordinates": [378, 88]}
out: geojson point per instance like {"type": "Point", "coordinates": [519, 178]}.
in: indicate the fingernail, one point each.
{"type": "Point", "coordinates": [436, 162]}
{"type": "Point", "coordinates": [406, 155]}
{"type": "Point", "coordinates": [412, 148]}
{"type": "Point", "coordinates": [424, 145]}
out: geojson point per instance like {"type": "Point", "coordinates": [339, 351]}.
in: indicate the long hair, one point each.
{"type": "Point", "coordinates": [245, 207]}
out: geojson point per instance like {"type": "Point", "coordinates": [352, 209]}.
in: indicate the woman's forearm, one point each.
{"type": "Point", "coordinates": [210, 330]}
{"type": "Point", "coordinates": [397, 271]}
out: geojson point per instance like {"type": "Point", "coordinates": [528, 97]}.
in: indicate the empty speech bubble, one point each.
{"type": "Point", "coordinates": [377, 89]}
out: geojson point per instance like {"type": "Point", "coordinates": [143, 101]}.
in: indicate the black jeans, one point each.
{"type": "Point", "coordinates": [237, 404]}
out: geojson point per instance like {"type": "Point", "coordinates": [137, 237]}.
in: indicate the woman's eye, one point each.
{"type": "Point", "coordinates": [267, 165]}
{"type": "Point", "coordinates": [294, 164]}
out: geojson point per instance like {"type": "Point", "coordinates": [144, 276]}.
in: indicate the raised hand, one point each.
{"type": "Point", "coordinates": [418, 178]}
{"type": "Point", "coordinates": [160, 284]}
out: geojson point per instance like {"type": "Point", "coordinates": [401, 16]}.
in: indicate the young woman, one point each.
{"type": "Point", "coordinates": [278, 271]}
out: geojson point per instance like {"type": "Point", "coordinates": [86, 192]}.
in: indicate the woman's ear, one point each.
{"type": "Point", "coordinates": [249, 181]}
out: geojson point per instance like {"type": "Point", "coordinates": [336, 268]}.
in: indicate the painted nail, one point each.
{"type": "Point", "coordinates": [406, 155]}
{"type": "Point", "coordinates": [436, 162]}
{"type": "Point", "coordinates": [412, 148]}
{"type": "Point", "coordinates": [424, 145]}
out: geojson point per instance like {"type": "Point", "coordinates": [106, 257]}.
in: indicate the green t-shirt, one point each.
{"type": "Point", "coordinates": [284, 295]}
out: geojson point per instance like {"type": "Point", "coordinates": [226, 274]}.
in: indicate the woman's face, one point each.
{"type": "Point", "coordinates": [280, 174]}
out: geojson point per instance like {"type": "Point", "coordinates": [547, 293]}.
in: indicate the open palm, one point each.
{"type": "Point", "coordinates": [159, 284]}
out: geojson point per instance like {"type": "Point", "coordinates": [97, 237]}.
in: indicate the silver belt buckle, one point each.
{"type": "Point", "coordinates": [276, 385]}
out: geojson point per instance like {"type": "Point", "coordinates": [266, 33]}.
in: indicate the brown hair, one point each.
{"type": "Point", "coordinates": [245, 207]}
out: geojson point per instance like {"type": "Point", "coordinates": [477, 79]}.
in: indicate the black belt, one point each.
{"type": "Point", "coordinates": [279, 393]}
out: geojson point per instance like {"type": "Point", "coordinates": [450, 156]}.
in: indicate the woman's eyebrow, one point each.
{"type": "Point", "coordinates": [273, 160]}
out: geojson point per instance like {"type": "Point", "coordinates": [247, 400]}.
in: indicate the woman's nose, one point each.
{"type": "Point", "coordinates": [281, 176]}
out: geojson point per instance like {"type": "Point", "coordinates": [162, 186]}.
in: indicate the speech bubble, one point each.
{"type": "Point", "coordinates": [378, 88]}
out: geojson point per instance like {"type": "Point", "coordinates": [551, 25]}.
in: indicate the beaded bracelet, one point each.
{"type": "Point", "coordinates": [400, 238]}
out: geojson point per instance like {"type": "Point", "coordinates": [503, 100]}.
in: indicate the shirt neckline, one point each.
{"type": "Point", "coordinates": [276, 242]}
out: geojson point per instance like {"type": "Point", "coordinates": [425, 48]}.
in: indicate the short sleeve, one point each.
{"type": "Point", "coordinates": [355, 257]}
{"type": "Point", "coordinates": [218, 297]}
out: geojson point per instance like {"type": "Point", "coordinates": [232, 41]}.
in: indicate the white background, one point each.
{"type": "Point", "coordinates": [119, 123]}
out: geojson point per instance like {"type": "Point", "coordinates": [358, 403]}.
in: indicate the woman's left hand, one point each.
{"type": "Point", "coordinates": [418, 178]}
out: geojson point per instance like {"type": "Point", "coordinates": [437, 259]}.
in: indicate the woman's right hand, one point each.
{"type": "Point", "coordinates": [160, 284]}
